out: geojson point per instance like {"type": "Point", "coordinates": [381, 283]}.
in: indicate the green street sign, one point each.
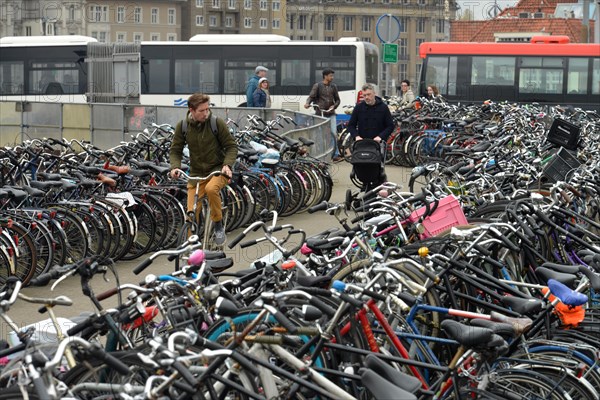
{"type": "Point", "coordinates": [390, 53]}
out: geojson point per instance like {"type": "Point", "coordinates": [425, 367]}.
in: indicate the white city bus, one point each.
{"type": "Point", "coordinates": [166, 73]}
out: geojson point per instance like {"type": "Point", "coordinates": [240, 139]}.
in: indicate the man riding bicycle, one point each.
{"type": "Point", "coordinates": [209, 151]}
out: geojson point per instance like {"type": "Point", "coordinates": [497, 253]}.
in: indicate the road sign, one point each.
{"type": "Point", "coordinates": [388, 28]}
{"type": "Point", "coordinates": [390, 53]}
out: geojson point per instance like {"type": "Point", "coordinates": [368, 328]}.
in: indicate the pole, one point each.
{"type": "Point", "coordinates": [387, 67]}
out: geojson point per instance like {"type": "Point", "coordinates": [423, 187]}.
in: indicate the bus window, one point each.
{"type": "Point", "coordinates": [344, 72]}
{"type": "Point", "coordinates": [12, 77]}
{"type": "Point", "coordinates": [237, 73]}
{"type": "Point", "coordinates": [596, 76]}
{"type": "Point", "coordinates": [193, 76]}
{"type": "Point", "coordinates": [158, 82]}
{"type": "Point", "coordinates": [577, 77]}
{"type": "Point", "coordinates": [53, 78]}
{"type": "Point", "coordinates": [295, 73]}
{"type": "Point", "coordinates": [371, 65]}
{"type": "Point", "coordinates": [541, 75]}
{"type": "Point", "coordinates": [496, 71]}
{"type": "Point", "coordinates": [441, 72]}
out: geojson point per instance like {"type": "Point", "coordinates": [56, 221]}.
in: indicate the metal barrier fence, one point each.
{"type": "Point", "coordinates": [106, 125]}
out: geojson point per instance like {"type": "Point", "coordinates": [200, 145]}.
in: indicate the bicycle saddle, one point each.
{"type": "Point", "coordinates": [544, 274]}
{"type": "Point", "coordinates": [566, 295]}
{"type": "Point", "coordinates": [564, 268]}
{"type": "Point", "coordinates": [33, 192]}
{"type": "Point", "coordinates": [306, 142]}
{"type": "Point", "coordinates": [49, 177]}
{"type": "Point", "coordinates": [45, 185]}
{"type": "Point", "coordinates": [503, 329]}
{"type": "Point", "coordinates": [523, 306]}
{"type": "Point", "coordinates": [471, 336]}
{"type": "Point", "coordinates": [313, 281]}
{"type": "Point", "coordinates": [381, 388]}
{"type": "Point", "coordinates": [317, 244]}
{"type": "Point", "coordinates": [400, 379]}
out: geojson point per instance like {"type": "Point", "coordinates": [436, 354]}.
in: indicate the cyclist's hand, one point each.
{"type": "Point", "coordinates": [357, 138]}
{"type": "Point", "coordinates": [307, 106]}
{"type": "Point", "coordinates": [226, 171]}
{"type": "Point", "coordinates": [175, 173]}
{"type": "Point", "coordinates": [377, 139]}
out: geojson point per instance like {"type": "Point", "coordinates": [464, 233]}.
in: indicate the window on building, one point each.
{"type": "Point", "coordinates": [171, 37]}
{"type": "Point", "coordinates": [366, 39]}
{"type": "Point", "coordinates": [386, 2]}
{"type": "Point", "coordinates": [247, 4]}
{"type": "Point", "coordinates": [348, 23]}
{"type": "Point", "coordinates": [263, 23]}
{"type": "Point", "coordinates": [199, 3]}
{"type": "Point", "coordinates": [402, 71]}
{"type": "Point", "coordinates": [366, 23]}
{"type": "Point", "coordinates": [403, 48]}
{"type": "Point", "coordinates": [422, 2]}
{"type": "Point", "coordinates": [247, 22]}
{"type": "Point", "coordinates": [403, 24]}
{"type": "Point", "coordinates": [264, 5]}
{"type": "Point", "coordinates": [120, 15]}
{"type": "Point", "coordinates": [349, 1]}
{"type": "Point", "coordinates": [154, 16]}
{"type": "Point", "coordinates": [212, 20]}
{"type": "Point", "coordinates": [440, 26]}
{"type": "Point", "coordinates": [171, 16]}
{"type": "Point", "coordinates": [329, 39]}
{"type": "Point", "coordinates": [216, 3]}
{"type": "Point", "coordinates": [231, 4]}
{"type": "Point", "coordinates": [137, 38]}
{"type": "Point", "coordinates": [155, 37]}
{"type": "Point", "coordinates": [418, 43]}
{"type": "Point", "coordinates": [290, 19]}
{"type": "Point", "coordinates": [228, 21]}
{"type": "Point", "coordinates": [276, 5]}
{"type": "Point", "coordinates": [329, 22]}
{"type": "Point", "coordinates": [71, 13]}
{"type": "Point", "coordinates": [420, 25]}
{"type": "Point", "coordinates": [199, 20]}
{"type": "Point", "coordinates": [368, 1]}
{"type": "Point", "coordinates": [276, 23]}
{"type": "Point", "coordinates": [137, 15]}
{"type": "Point", "coordinates": [302, 22]}
{"type": "Point", "coordinates": [98, 13]}
{"type": "Point", "coordinates": [121, 37]}
{"type": "Point", "coordinates": [27, 31]}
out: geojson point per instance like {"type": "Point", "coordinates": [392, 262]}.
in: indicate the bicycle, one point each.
{"type": "Point", "coordinates": [198, 222]}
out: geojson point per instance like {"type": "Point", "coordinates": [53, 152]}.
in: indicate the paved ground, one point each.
{"type": "Point", "coordinates": [23, 313]}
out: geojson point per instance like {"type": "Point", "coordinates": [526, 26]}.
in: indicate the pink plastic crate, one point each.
{"type": "Point", "coordinates": [448, 214]}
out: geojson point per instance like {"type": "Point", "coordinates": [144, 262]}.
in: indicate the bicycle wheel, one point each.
{"type": "Point", "coordinates": [520, 384]}
{"type": "Point", "coordinates": [25, 251]}
{"type": "Point", "coordinates": [146, 230]}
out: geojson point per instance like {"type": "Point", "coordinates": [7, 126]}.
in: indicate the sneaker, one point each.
{"type": "Point", "coordinates": [220, 236]}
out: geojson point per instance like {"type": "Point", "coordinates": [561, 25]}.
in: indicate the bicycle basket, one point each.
{"type": "Point", "coordinates": [561, 166]}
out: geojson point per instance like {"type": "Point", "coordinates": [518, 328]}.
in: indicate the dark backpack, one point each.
{"type": "Point", "coordinates": [213, 127]}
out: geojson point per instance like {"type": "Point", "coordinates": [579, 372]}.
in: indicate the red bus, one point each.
{"type": "Point", "coordinates": [547, 70]}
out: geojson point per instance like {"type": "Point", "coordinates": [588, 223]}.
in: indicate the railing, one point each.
{"type": "Point", "coordinates": [106, 125]}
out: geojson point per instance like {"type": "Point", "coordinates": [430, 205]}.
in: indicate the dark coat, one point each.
{"type": "Point", "coordinates": [371, 121]}
{"type": "Point", "coordinates": [259, 98]}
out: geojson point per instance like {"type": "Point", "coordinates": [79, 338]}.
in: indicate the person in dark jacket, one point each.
{"type": "Point", "coordinates": [371, 118]}
{"type": "Point", "coordinates": [252, 84]}
{"type": "Point", "coordinates": [208, 152]}
{"type": "Point", "coordinates": [261, 96]}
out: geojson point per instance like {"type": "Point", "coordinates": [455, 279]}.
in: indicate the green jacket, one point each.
{"type": "Point", "coordinates": [207, 154]}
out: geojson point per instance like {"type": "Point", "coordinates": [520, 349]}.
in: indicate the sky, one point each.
{"type": "Point", "coordinates": [484, 9]}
